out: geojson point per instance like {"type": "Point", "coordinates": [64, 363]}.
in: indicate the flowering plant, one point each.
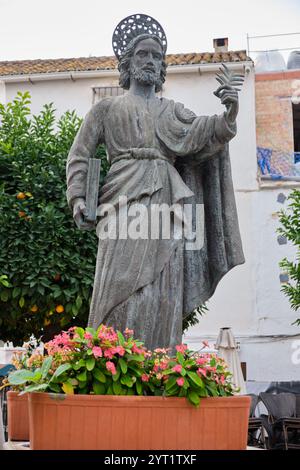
{"type": "Point", "coordinates": [29, 357]}
{"type": "Point", "coordinates": [107, 362]}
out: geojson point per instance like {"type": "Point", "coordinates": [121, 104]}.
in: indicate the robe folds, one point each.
{"type": "Point", "coordinates": [160, 153]}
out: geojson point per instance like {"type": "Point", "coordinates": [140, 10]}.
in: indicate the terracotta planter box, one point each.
{"type": "Point", "coordinates": [17, 416]}
{"type": "Point", "coordinates": [87, 422]}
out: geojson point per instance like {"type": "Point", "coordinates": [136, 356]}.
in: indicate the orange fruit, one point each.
{"type": "Point", "coordinates": [21, 196]}
{"type": "Point", "coordinates": [59, 308]}
{"type": "Point", "coordinates": [22, 213]}
{"type": "Point", "coordinates": [34, 308]}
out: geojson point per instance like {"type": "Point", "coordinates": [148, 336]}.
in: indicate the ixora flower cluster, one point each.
{"type": "Point", "coordinates": [107, 362]}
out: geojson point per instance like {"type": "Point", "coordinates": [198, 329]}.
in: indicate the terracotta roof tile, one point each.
{"type": "Point", "coordinates": [30, 67]}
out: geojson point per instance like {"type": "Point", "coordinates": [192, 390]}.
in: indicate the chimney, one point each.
{"type": "Point", "coordinates": [221, 45]}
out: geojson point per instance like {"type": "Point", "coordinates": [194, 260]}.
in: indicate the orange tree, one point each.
{"type": "Point", "coordinates": [46, 263]}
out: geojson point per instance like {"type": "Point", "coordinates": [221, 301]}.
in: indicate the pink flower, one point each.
{"type": "Point", "coordinates": [109, 353]}
{"type": "Point", "coordinates": [128, 332]}
{"type": "Point", "coordinates": [164, 365]}
{"type": "Point", "coordinates": [222, 379]}
{"type": "Point", "coordinates": [107, 333]}
{"type": "Point", "coordinates": [97, 351]}
{"type": "Point", "coordinates": [111, 367]}
{"type": "Point", "coordinates": [88, 335]}
{"type": "Point", "coordinates": [180, 381]}
{"type": "Point", "coordinates": [202, 371]}
{"type": "Point", "coordinates": [181, 348]}
{"type": "Point", "coordinates": [200, 361]}
{"type": "Point", "coordinates": [119, 350]}
{"type": "Point", "coordinates": [137, 350]}
{"type": "Point", "coordinates": [145, 378]}
{"type": "Point", "coordinates": [177, 368]}
{"type": "Point", "coordinates": [162, 350]}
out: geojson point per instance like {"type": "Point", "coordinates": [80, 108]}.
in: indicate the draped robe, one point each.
{"type": "Point", "coordinates": [160, 152]}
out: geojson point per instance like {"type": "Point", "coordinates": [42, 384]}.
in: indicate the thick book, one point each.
{"type": "Point", "coordinates": [92, 189]}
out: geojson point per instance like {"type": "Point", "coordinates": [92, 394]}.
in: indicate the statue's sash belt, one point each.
{"type": "Point", "coordinates": [143, 154]}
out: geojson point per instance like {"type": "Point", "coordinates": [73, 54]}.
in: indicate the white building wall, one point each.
{"type": "Point", "coordinates": [67, 95]}
{"type": "Point", "coordinates": [248, 299]}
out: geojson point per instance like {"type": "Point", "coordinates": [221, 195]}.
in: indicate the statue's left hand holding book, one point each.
{"type": "Point", "coordinates": [85, 210]}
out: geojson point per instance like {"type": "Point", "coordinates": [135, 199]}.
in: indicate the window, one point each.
{"type": "Point", "coordinates": [100, 92]}
{"type": "Point", "coordinates": [296, 127]}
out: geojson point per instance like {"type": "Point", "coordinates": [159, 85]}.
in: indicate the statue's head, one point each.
{"type": "Point", "coordinates": [144, 61]}
{"type": "Point", "coordinates": [140, 44]}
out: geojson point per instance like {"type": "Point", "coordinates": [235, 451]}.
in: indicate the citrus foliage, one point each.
{"type": "Point", "coordinates": [48, 262]}
{"type": "Point", "coordinates": [290, 221]}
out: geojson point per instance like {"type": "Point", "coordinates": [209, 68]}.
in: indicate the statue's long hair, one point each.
{"type": "Point", "coordinates": [124, 63]}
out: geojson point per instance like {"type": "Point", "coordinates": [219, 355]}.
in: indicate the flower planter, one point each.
{"type": "Point", "coordinates": [87, 422]}
{"type": "Point", "coordinates": [17, 416]}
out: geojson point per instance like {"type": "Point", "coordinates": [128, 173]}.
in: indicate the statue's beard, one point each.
{"type": "Point", "coordinates": [145, 77]}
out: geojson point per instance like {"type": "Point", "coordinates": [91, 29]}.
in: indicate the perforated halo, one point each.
{"type": "Point", "coordinates": [133, 26]}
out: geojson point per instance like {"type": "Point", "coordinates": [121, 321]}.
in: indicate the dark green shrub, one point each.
{"type": "Point", "coordinates": [290, 221]}
{"type": "Point", "coordinates": [48, 262]}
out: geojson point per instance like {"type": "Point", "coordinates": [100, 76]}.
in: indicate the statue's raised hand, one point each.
{"type": "Point", "coordinates": [79, 215]}
{"type": "Point", "coordinates": [228, 91]}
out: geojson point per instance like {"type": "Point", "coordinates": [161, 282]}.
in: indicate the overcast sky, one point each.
{"type": "Point", "coordinates": [44, 29]}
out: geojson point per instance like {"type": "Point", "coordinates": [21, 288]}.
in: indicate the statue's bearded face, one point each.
{"type": "Point", "coordinates": [146, 62]}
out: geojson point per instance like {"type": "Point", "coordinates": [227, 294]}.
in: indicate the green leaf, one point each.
{"type": "Point", "coordinates": [91, 331]}
{"type": "Point", "coordinates": [98, 388]}
{"type": "Point", "coordinates": [139, 387]}
{"type": "Point", "coordinates": [193, 397]}
{"type": "Point", "coordinates": [46, 366]}
{"type": "Point", "coordinates": [116, 388]}
{"type": "Point", "coordinates": [74, 310]}
{"type": "Point", "coordinates": [16, 292]}
{"type": "Point", "coordinates": [80, 332]}
{"type": "Point", "coordinates": [22, 302]}
{"type": "Point", "coordinates": [136, 357]}
{"type": "Point", "coordinates": [182, 392]}
{"type": "Point", "coordinates": [137, 372]}
{"type": "Point", "coordinates": [60, 370]}
{"type": "Point", "coordinates": [195, 379]}
{"type": "Point", "coordinates": [180, 358]}
{"type": "Point", "coordinates": [173, 391]}
{"type": "Point", "coordinates": [4, 296]}
{"type": "Point", "coordinates": [54, 387]}
{"type": "Point", "coordinates": [78, 302]}
{"type": "Point", "coordinates": [82, 376]}
{"type": "Point", "coordinates": [123, 366]}
{"type": "Point", "coordinates": [121, 338]}
{"type": "Point", "coordinates": [68, 388]}
{"type": "Point", "coordinates": [20, 377]}
{"type": "Point", "coordinates": [125, 380]}
{"type": "Point", "coordinates": [116, 376]}
{"type": "Point", "coordinates": [170, 383]}
{"type": "Point", "coordinates": [36, 388]}
{"type": "Point", "coordinates": [98, 374]}
{"type": "Point", "coordinates": [90, 363]}
{"type": "Point", "coordinates": [79, 364]}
